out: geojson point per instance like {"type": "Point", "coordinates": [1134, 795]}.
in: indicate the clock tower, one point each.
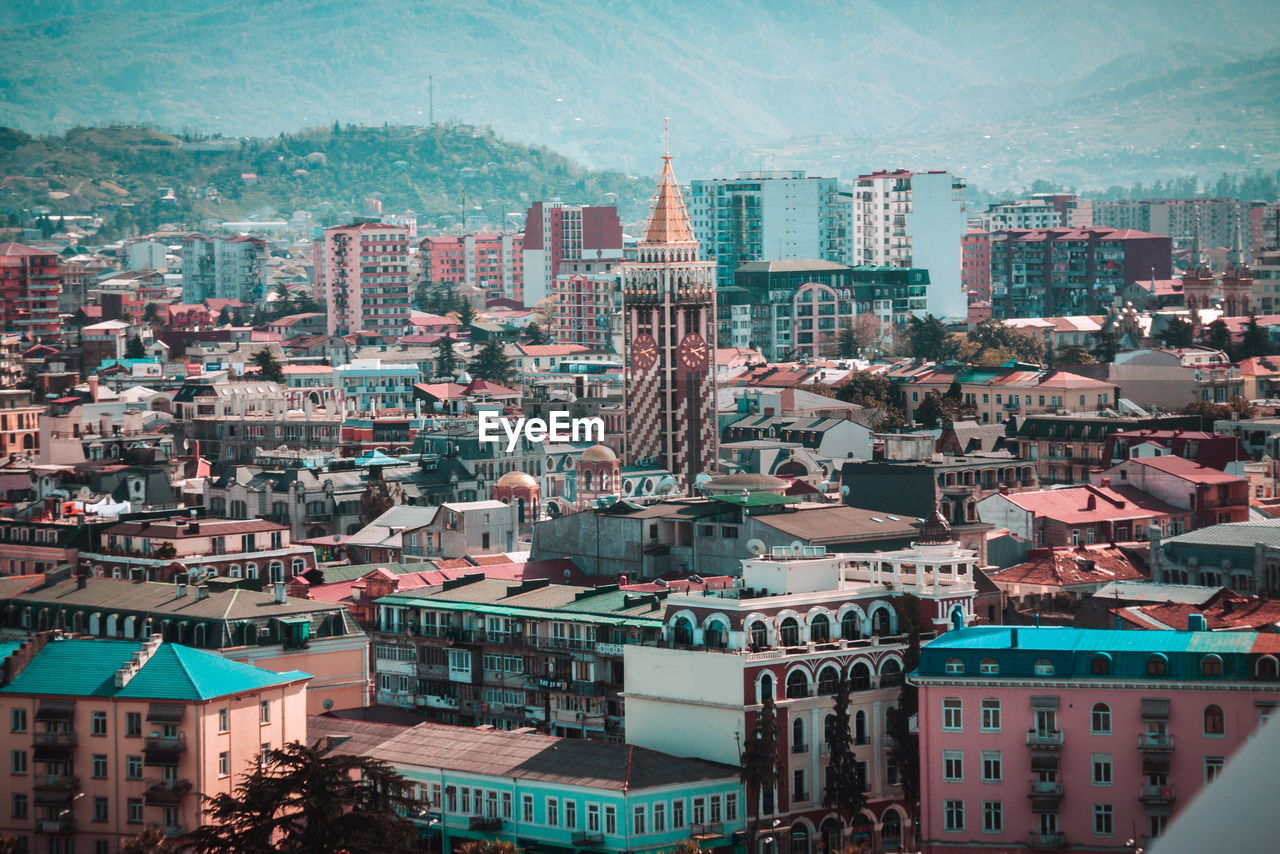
{"type": "Point", "coordinates": [669, 315]}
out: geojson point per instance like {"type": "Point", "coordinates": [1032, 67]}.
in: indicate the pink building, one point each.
{"type": "Point", "coordinates": [365, 278]}
{"type": "Point", "coordinates": [1053, 739]}
{"type": "Point", "coordinates": [105, 738]}
{"type": "Point", "coordinates": [490, 263]}
{"type": "Point", "coordinates": [555, 232]}
{"type": "Point", "coordinates": [975, 273]}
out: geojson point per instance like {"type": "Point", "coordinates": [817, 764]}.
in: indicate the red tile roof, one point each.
{"type": "Point", "coordinates": [1112, 503]}
{"type": "Point", "coordinates": [1186, 469]}
{"type": "Point", "coordinates": [1225, 610]}
{"type": "Point", "coordinates": [1069, 567]}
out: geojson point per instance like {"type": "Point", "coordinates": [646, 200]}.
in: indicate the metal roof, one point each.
{"type": "Point", "coordinates": [1246, 534]}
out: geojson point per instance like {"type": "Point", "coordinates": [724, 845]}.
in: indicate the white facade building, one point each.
{"type": "Point", "coordinates": [223, 268]}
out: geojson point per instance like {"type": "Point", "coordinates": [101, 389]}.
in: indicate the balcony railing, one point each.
{"type": "Point", "coordinates": [588, 839]}
{"type": "Point", "coordinates": [1150, 794]}
{"type": "Point", "coordinates": [65, 824]}
{"type": "Point", "coordinates": [1044, 789]}
{"type": "Point", "coordinates": [55, 739]}
{"type": "Point", "coordinates": [167, 742]}
{"type": "Point", "coordinates": [1045, 841]}
{"type": "Point", "coordinates": [173, 831]}
{"type": "Point", "coordinates": [167, 792]}
{"type": "Point", "coordinates": [484, 822]}
{"type": "Point", "coordinates": [1045, 739]}
{"type": "Point", "coordinates": [707, 831]}
{"type": "Point", "coordinates": [800, 748]}
{"type": "Point", "coordinates": [1158, 742]}
{"type": "Point", "coordinates": [56, 782]}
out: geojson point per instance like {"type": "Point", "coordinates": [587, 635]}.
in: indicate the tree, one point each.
{"type": "Point", "coordinates": [1219, 337]}
{"type": "Point", "coordinates": [1255, 341]}
{"type": "Point", "coordinates": [927, 339]}
{"type": "Point", "coordinates": [1210, 412]}
{"type": "Point", "coordinates": [993, 335]}
{"type": "Point", "coordinates": [1177, 333]}
{"type": "Point", "coordinates": [868, 389]}
{"type": "Point", "coordinates": [224, 316]}
{"type": "Point", "coordinates": [688, 846]}
{"type": "Point", "coordinates": [931, 412]}
{"type": "Point", "coordinates": [376, 498]}
{"type": "Point", "coordinates": [536, 333]}
{"type": "Point", "coordinates": [760, 754]}
{"type": "Point", "coordinates": [151, 314]}
{"type": "Point", "coordinates": [491, 363]}
{"type": "Point", "coordinates": [845, 790]}
{"type": "Point", "coordinates": [488, 846]}
{"type": "Point", "coordinates": [150, 841]}
{"type": "Point", "coordinates": [446, 358]}
{"type": "Point", "coordinates": [268, 367]}
{"type": "Point", "coordinates": [466, 313]}
{"type": "Point", "coordinates": [1072, 354]}
{"type": "Point", "coordinates": [905, 752]}
{"type": "Point", "coordinates": [1108, 345]}
{"type": "Point", "coordinates": [134, 349]}
{"type": "Point", "coordinates": [847, 343]}
{"type": "Point", "coordinates": [297, 799]}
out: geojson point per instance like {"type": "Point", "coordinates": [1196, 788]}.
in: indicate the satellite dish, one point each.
{"type": "Point", "coordinates": [844, 491]}
{"type": "Point", "coordinates": [756, 547]}
{"type": "Point", "coordinates": [328, 704]}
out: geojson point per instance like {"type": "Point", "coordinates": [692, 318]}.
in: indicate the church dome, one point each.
{"type": "Point", "coordinates": [517, 480]}
{"type": "Point", "coordinates": [599, 454]}
{"type": "Point", "coordinates": [935, 531]}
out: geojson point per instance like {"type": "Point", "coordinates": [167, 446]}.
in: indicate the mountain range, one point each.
{"type": "Point", "coordinates": [1087, 92]}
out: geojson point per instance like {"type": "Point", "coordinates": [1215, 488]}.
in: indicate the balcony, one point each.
{"type": "Point", "coordinates": [800, 748]}
{"type": "Point", "coordinates": [58, 826]}
{"type": "Point", "coordinates": [1044, 795]}
{"type": "Point", "coordinates": [707, 831]}
{"type": "Point", "coordinates": [484, 822]}
{"type": "Point", "coordinates": [164, 793]}
{"type": "Point", "coordinates": [1045, 841]}
{"type": "Point", "coordinates": [1155, 742]}
{"type": "Point", "coordinates": [172, 831]}
{"type": "Point", "coordinates": [1157, 795]}
{"type": "Point", "coordinates": [1044, 739]}
{"type": "Point", "coordinates": [55, 739]}
{"type": "Point", "coordinates": [164, 749]}
{"type": "Point", "coordinates": [588, 840]}
{"type": "Point", "coordinates": [56, 783]}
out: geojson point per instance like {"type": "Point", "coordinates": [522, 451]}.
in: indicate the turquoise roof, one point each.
{"type": "Point", "coordinates": [87, 668]}
{"type": "Point", "coordinates": [7, 648]}
{"type": "Point", "coordinates": [1066, 639]}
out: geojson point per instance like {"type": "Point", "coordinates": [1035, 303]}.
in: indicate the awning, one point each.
{"type": "Point", "coordinates": [165, 713]}
{"type": "Point", "coordinates": [1044, 702]}
{"type": "Point", "coordinates": [56, 710]}
{"type": "Point", "coordinates": [1155, 709]}
{"type": "Point", "coordinates": [1044, 762]}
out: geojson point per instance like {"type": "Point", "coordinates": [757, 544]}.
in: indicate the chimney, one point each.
{"type": "Point", "coordinates": [1196, 623]}
{"type": "Point", "coordinates": [81, 580]}
{"type": "Point", "coordinates": [279, 588]}
{"type": "Point", "coordinates": [180, 589]}
{"type": "Point", "coordinates": [1091, 503]}
{"type": "Point", "coordinates": [93, 388]}
{"type": "Point", "coordinates": [1106, 483]}
{"type": "Point", "coordinates": [202, 593]}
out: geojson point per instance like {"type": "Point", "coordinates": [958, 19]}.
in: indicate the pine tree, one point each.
{"type": "Point", "coordinates": [268, 367]}
{"type": "Point", "coordinates": [760, 752]}
{"type": "Point", "coordinates": [134, 349]}
{"type": "Point", "coordinates": [927, 339]}
{"type": "Point", "coordinates": [446, 358]}
{"type": "Point", "coordinates": [906, 744]}
{"type": "Point", "coordinates": [1177, 333]}
{"type": "Point", "coordinates": [847, 344]}
{"type": "Point", "coordinates": [491, 363]}
{"type": "Point", "coordinates": [535, 333]}
{"type": "Point", "coordinates": [466, 313]}
{"type": "Point", "coordinates": [1107, 346]}
{"type": "Point", "coordinates": [1219, 335]}
{"type": "Point", "coordinates": [1255, 341]}
{"type": "Point", "coordinates": [845, 790]}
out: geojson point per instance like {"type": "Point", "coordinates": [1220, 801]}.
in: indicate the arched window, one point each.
{"type": "Point", "coordinates": [1100, 719]}
{"type": "Point", "coordinates": [299, 566]}
{"type": "Point", "coordinates": [989, 666]}
{"type": "Point", "coordinates": [715, 635]}
{"type": "Point", "coordinates": [891, 829]}
{"type": "Point", "coordinates": [797, 685]}
{"type": "Point", "coordinates": [682, 631]}
{"type": "Point", "coordinates": [759, 634]}
{"type": "Point", "coordinates": [820, 628]}
{"type": "Point", "coordinates": [1267, 668]}
{"type": "Point", "coordinates": [276, 568]}
{"type": "Point", "coordinates": [1211, 665]}
{"type": "Point", "coordinates": [250, 570]}
{"type": "Point", "coordinates": [799, 838]}
{"type": "Point", "coordinates": [860, 677]}
{"type": "Point", "coordinates": [1044, 667]}
{"type": "Point", "coordinates": [1157, 665]}
{"type": "Point", "coordinates": [828, 681]}
{"type": "Point", "coordinates": [849, 626]}
{"type": "Point", "coordinates": [828, 728]}
{"type": "Point", "coordinates": [890, 673]}
{"type": "Point", "coordinates": [1100, 665]}
{"type": "Point", "coordinates": [954, 665]}
{"type": "Point", "coordinates": [797, 736]}
{"type": "Point", "coordinates": [766, 687]}
{"type": "Point", "coordinates": [789, 630]}
{"type": "Point", "coordinates": [1214, 722]}
{"type": "Point", "coordinates": [860, 727]}
{"type": "Point", "coordinates": [882, 623]}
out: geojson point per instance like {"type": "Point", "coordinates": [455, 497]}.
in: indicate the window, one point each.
{"type": "Point", "coordinates": [989, 666]}
{"type": "Point", "coordinates": [99, 766]}
{"type": "Point", "coordinates": [677, 814]}
{"type": "Point", "coordinates": [265, 751]}
{"type": "Point", "coordinates": [954, 665]}
{"type": "Point", "coordinates": [951, 715]}
{"type": "Point", "coordinates": [993, 816]}
{"type": "Point", "coordinates": [1101, 765]}
{"type": "Point", "coordinates": [1212, 768]}
{"type": "Point", "coordinates": [991, 715]}
{"type": "Point", "coordinates": [224, 764]}
{"type": "Point", "coordinates": [98, 723]}
{"type": "Point", "coordinates": [952, 766]}
{"type": "Point", "coordinates": [17, 720]}
{"type": "Point", "coordinates": [18, 762]}
{"type": "Point", "coordinates": [610, 820]}
{"type": "Point", "coordinates": [638, 820]}
{"type": "Point", "coordinates": [1214, 723]}
{"type": "Point", "coordinates": [133, 724]}
{"type": "Point", "coordinates": [264, 711]}
{"type": "Point", "coordinates": [99, 809]}
{"type": "Point", "coordinates": [798, 792]}
{"type": "Point", "coordinates": [992, 766]}
{"type": "Point", "coordinates": [953, 815]}
{"type": "Point", "coordinates": [699, 811]}
{"type": "Point", "coordinates": [797, 684]}
{"type": "Point", "coordinates": [1044, 667]}
{"type": "Point", "coordinates": [730, 807]}
{"type": "Point", "coordinates": [526, 808]}
{"type": "Point", "coordinates": [133, 767]}
{"type": "Point", "coordinates": [19, 805]}
{"type": "Point", "coordinates": [797, 736]}
{"type": "Point", "coordinates": [1156, 665]}
{"type": "Point", "coordinates": [1103, 820]}
{"type": "Point", "coordinates": [1100, 719]}
{"type": "Point", "coordinates": [1100, 665]}
{"type": "Point", "coordinates": [553, 812]}
{"type": "Point", "coordinates": [134, 815]}
{"type": "Point", "coordinates": [593, 818]}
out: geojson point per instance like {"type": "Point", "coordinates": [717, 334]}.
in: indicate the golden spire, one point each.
{"type": "Point", "coordinates": [668, 218]}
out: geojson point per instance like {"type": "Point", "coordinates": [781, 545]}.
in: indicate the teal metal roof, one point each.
{"type": "Point", "coordinates": [1066, 639]}
{"type": "Point", "coordinates": [87, 668]}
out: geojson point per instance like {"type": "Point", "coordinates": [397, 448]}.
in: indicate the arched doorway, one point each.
{"type": "Point", "coordinates": [800, 838]}
{"type": "Point", "coordinates": [832, 835]}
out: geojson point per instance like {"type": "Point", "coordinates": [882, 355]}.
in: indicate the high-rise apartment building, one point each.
{"type": "Point", "coordinates": [773, 215]}
{"type": "Point", "coordinates": [914, 219]}
{"type": "Point", "coordinates": [975, 273]}
{"type": "Point", "coordinates": [1061, 272]}
{"type": "Point", "coordinates": [30, 282]}
{"type": "Point", "coordinates": [365, 279]}
{"type": "Point", "coordinates": [1216, 220]}
{"type": "Point", "coordinates": [588, 311]}
{"type": "Point", "coordinates": [223, 268]}
{"type": "Point", "coordinates": [555, 232]}
{"type": "Point", "coordinates": [490, 263]}
{"type": "Point", "coordinates": [669, 314]}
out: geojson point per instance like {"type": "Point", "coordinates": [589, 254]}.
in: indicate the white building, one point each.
{"type": "Point", "coordinates": [913, 219]}
{"type": "Point", "coordinates": [223, 268]}
{"type": "Point", "coordinates": [772, 215]}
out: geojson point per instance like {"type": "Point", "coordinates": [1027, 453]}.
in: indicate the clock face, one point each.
{"type": "Point", "coordinates": [644, 351]}
{"type": "Point", "coordinates": [693, 352]}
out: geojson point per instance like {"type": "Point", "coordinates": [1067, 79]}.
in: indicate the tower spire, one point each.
{"type": "Point", "coordinates": [1237, 251]}
{"type": "Point", "coordinates": [668, 218]}
{"type": "Point", "coordinates": [1193, 263]}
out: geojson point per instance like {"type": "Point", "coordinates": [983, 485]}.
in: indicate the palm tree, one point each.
{"type": "Point", "coordinates": [297, 799]}
{"type": "Point", "coordinates": [487, 846]}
